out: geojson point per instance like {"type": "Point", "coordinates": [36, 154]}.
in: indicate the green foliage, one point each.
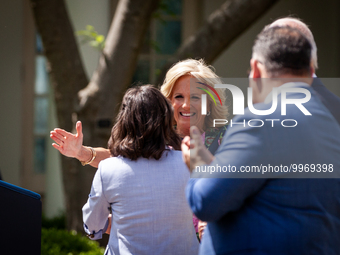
{"type": "Point", "coordinates": [164, 8]}
{"type": "Point", "coordinates": [58, 222]}
{"type": "Point", "coordinates": [56, 240]}
{"type": "Point", "coordinates": [155, 45]}
{"type": "Point", "coordinates": [90, 36]}
{"type": "Point", "coordinates": [63, 242]}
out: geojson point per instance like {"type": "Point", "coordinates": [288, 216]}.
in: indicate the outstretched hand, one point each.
{"type": "Point", "coordinates": [193, 151]}
{"type": "Point", "coordinates": [67, 143]}
{"type": "Point", "coordinates": [201, 226]}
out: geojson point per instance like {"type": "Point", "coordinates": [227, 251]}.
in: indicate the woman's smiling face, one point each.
{"type": "Point", "coordinates": [186, 101]}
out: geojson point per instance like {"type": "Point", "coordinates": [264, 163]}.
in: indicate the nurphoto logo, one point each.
{"type": "Point", "coordinates": [238, 103]}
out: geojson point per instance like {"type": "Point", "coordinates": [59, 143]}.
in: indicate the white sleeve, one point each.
{"type": "Point", "coordinates": [96, 210]}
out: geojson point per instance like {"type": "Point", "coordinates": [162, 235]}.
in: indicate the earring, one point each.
{"type": "Point", "coordinates": [208, 113]}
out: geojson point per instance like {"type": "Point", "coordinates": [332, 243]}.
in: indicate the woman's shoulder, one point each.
{"type": "Point", "coordinates": [112, 163]}
{"type": "Point", "coordinates": [121, 168]}
{"type": "Point", "coordinates": [111, 160]}
{"type": "Point", "coordinates": [172, 155]}
{"type": "Point", "coordinates": [169, 155]}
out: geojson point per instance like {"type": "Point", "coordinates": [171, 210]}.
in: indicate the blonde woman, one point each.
{"type": "Point", "coordinates": [184, 85]}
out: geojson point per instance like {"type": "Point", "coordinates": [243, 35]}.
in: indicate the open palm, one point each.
{"type": "Point", "coordinates": [67, 143]}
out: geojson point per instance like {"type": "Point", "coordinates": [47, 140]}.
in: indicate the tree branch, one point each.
{"type": "Point", "coordinates": [220, 30]}
{"type": "Point", "coordinates": [119, 58]}
{"type": "Point", "coordinates": [68, 77]}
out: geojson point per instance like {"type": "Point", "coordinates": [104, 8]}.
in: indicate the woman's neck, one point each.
{"type": "Point", "coordinates": [183, 134]}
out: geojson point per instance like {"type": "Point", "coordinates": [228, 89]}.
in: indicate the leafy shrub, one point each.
{"type": "Point", "coordinates": [63, 242]}
{"type": "Point", "coordinates": [58, 222]}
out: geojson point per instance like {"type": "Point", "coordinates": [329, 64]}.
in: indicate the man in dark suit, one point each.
{"type": "Point", "coordinates": [331, 101]}
{"type": "Point", "coordinates": [277, 213]}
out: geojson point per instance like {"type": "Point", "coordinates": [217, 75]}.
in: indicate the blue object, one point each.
{"type": "Point", "coordinates": [20, 190]}
{"type": "Point", "coordinates": [20, 223]}
{"type": "Point", "coordinates": [267, 215]}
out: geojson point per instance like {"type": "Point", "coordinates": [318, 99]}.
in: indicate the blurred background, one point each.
{"type": "Point", "coordinates": [27, 107]}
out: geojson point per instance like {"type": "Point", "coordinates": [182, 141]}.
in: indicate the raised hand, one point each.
{"type": "Point", "coordinates": [185, 146]}
{"type": "Point", "coordinates": [193, 151]}
{"type": "Point", "coordinates": [67, 143]}
{"type": "Point", "coordinates": [201, 227]}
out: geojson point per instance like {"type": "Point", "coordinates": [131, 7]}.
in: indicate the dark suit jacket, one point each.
{"type": "Point", "coordinates": [267, 215]}
{"type": "Point", "coordinates": [331, 101]}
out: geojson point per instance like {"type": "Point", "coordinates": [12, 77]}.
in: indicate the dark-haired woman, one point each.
{"type": "Point", "coordinates": [143, 183]}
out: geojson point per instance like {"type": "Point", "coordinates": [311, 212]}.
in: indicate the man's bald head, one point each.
{"type": "Point", "coordinates": [303, 28]}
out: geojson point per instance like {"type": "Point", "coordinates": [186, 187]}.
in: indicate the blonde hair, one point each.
{"type": "Point", "coordinates": [203, 73]}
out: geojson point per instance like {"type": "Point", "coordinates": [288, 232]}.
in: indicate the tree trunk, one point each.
{"type": "Point", "coordinates": [67, 77]}
{"type": "Point", "coordinates": [220, 30]}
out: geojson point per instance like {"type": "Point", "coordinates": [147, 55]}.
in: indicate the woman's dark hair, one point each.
{"type": "Point", "coordinates": [144, 125]}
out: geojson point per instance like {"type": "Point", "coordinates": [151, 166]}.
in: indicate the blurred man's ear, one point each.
{"type": "Point", "coordinates": [256, 69]}
{"type": "Point", "coordinates": [312, 70]}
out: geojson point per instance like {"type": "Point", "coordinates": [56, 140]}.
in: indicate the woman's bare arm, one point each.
{"type": "Point", "coordinates": [101, 154]}
{"type": "Point", "coordinates": [71, 145]}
